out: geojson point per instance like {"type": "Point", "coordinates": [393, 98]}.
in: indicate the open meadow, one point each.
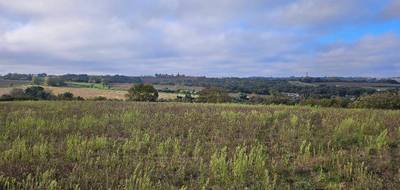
{"type": "Point", "coordinates": [128, 145]}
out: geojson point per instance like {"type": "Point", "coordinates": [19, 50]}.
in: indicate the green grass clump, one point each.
{"type": "Point", "coordinates": [133, 145]}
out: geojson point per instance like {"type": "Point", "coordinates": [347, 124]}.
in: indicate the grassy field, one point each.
{"type": "Point", "coordinates": [89, 93]}
{"type": "Point", "coordinates": [120, 145]}
{"type": "Point", "coordinates": [126, 86]}
{"type": "Point", "coordinates": [86, 85]}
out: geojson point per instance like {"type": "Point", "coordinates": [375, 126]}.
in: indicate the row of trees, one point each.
{"type": "Point", "coordinates": [257, 85]}
{"type": "Point", "coordinates": [146, 92]}
{"type": "Point", "coordinates": [48, 81]}
{"type": "Point", "coordinates": [36, 93]}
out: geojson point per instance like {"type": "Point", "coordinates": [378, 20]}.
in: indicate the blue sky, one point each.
{"type": "Point", "coordinates": [201, 37]}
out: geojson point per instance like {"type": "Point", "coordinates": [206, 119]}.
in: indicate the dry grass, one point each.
{"type": "Point", "coordinates": [126, 86]}
{"type": "Point", "coordinates": [88, 93]}
{"type": "Point", "coordinates": [5, 90]}
{"type": "Point", "coordinates": [137, 145]}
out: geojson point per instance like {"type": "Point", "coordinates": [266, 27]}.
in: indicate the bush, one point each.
{"type": "Point", "coordinates": [31, 93]}
{"type": "Point", "coordinates": [66, 96]}
{"type": "Point", "coordinates": [337, 102]}
{"type": "Point", "coordinates": [386, 100]}
{"type": "Point", "coordinates": [214, 95]}
{"type": "Point", "coordinates": [38, 93]}
{"type": "Point", "coordinates": [142, 92]}
{"type": "Point", "coordinates": [99, 98]}
{"type": "Point", "coordinates": [54, 81]}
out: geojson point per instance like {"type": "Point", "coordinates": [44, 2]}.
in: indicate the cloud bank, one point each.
{"type": "Point", "coordinates": [213, 38]}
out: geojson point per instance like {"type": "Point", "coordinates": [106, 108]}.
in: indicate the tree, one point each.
{"type": "Point", "coordinates": [54, 81]}
{"type": "Point", "coordinates": [142, 92]}
{"type": "Point", "coordinates": [37, 80]}
{"type": "Point", "coordinates": [66, 96]}
{"type": "Point", "coordinates": [213, 95]}
{"type": "Point", "coordinates": [38, 93]}
{"type": "Point", "coordinates": [387, 100]}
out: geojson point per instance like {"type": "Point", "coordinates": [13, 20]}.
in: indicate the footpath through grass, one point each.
{"type": "Point", "coordinates": [121, 145]}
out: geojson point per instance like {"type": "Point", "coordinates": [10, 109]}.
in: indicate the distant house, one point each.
{"type": "Point", "coordinates": [292, 95]}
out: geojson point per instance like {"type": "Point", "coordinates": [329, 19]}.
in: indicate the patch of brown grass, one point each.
{"type": "Point", "coordinates": [88, 93]}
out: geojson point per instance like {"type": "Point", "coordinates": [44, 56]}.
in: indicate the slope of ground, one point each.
{"type": "Point", "coordinates": [120, 145]}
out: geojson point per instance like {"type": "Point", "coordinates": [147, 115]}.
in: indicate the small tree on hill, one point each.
{"type": "Point", "coordinates": [142, 92]}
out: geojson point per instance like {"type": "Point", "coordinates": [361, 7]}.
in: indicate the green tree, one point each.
{"type": "Point", "coordinates": [37, 80]}
{"type": "Point", "coordinates": [142, 92]}
{"type": "Point", "coordinates": [213, 95]}
{"type": "Point", "coordinates": [54, 81]}
{"type": "Point", "coordinates": [387, 100]}
{"type": "Point", "coordinates": [38, 93]}
{"type": "Point", "coordinates": [66, 96]}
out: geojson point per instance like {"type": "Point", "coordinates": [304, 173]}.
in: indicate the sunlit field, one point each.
{"type": "Point", "coordinates": [121, 145]}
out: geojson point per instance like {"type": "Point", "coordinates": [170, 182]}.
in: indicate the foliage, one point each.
{"type": "Point", "coordinates": [142, 92]}
{"type": "Point", "coordinates": [336, 102]}
{"type": "Point", "coordinates": [37, 80]}
{"type": "Point", "coordinates": [213, 95]}
{"type": "Point", "coordinates": [54, 81]}
{"type": "Point", "coordinates": [37, 93]}
{"type": "Point", "coordinates": [386, 100]}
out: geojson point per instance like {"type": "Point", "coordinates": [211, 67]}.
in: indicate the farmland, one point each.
{"type": "Point", "coordinates": [89, 93]}
{"type": "Point", "coordinates": [12, 83]}
{"type": "Point", "coordinates": [134, 145]}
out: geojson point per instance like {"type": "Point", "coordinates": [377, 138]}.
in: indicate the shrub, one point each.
{"type": "Point", "coordinates": [387, 100]}
{"type": "Point", "coordinates": [38, 93]}
{"type": "Point", "coordinates": [66, 96]}
{"type": "Point", "coordinates": [142, 92]}
{"type": "Point", "coordinates": [213, 95]}
{"type": "Point", "coordinates": [54, 81]}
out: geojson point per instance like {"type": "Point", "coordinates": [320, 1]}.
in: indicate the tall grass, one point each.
{"type": "Point", "coordinates": [120, 145]}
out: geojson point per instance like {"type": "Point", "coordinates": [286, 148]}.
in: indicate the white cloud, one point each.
{"type": "Point", "coordinates": [392, 10]}
{"type": "Point", "coordinates": [219, 37]}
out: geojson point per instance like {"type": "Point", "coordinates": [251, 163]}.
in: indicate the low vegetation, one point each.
{"type": "Point", "coordinates": [134, 145]}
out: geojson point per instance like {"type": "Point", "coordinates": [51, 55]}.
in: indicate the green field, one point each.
{"type": "Point", "coordinates": [86, 85]}
{"type": "Point", "coordinates": [127, 145]}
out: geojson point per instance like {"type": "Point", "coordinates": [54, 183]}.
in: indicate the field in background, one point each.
{"type": "Point", "coordinates": [126, 86]}
{"type": "Point", "coordinates": [13, 83]}
{"type": "Point", "coordinates": [88, 93]}
{"type": "Point", "coordinates": [127, 145]}
{"type": "Point", "coordinates": [86, 85]}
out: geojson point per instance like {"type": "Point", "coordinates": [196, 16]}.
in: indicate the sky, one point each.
{"type": "Point", "coordinates": [271, 38]}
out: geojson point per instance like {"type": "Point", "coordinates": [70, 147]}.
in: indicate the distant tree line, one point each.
{"type": "Point", "coordinates": [347, 79]}
{"type": "Point", "coordinates": [36, 93]}
{"type": "Point", "coordinates": [147, 93]}
{"type": "Point", "coordinates": [250, 85]}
